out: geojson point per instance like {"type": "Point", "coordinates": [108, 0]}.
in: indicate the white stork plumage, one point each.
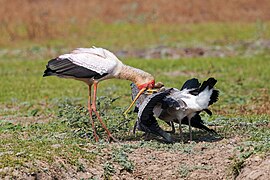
{"type": "Point", "coordinates": [92, 65]}
{"type": "Point", "coordinates": [181, 106]}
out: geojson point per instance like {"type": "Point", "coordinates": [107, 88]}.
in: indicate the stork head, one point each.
{"type": "Point", "coordinates": [145, 85]}
{"type": "Point", "coordinates": [148, 85]}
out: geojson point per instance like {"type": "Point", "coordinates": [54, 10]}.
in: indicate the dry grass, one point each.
{"type": "Point", "coordinates": [35, 19]}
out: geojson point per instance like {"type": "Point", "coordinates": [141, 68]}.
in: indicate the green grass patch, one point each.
{"type": "Point", "coordinates": [21, 145]}
{"type": "Point", "coordinates": [126, 35]}
{"type": "Point", "coordinates": [239, 80]}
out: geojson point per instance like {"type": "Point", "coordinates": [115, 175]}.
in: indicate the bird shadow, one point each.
{"type": "Point", "coordinates": [197, 136]}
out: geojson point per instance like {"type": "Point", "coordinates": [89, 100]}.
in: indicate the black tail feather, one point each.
{"type": "Point", "coordinates": [214, 97]}
{"type": "Point", "coordinates": [209, 83]}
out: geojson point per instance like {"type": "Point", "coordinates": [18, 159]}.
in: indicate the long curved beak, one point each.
{"type": "Point", "coordinates": [134, 100]}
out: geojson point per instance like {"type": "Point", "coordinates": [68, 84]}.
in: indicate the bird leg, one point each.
{"type": "Point", "coordinates": [180, 130]}
{"type": "Point", "coordinates": [90, 113]}
{"type": "Point", "coordinates": [110, 137]}
{"type": "Point", "coordinates": [190, 129]}
{"type": "Point", "coordinates": [173, 128]}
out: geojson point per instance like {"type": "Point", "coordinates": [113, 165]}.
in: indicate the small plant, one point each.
{"type": "Point", "coordinates": [121, 157]}
{"type": "Point", "coordinates": [77, 117]}
{"type": "Point", "coordinates": [183, 170]}
{"type": "Point", "coordinates": [108, 169]}
{"type": "Point", "coordinates": [236, 166]}
{"type": "Point", "coordinates": [239, 160]}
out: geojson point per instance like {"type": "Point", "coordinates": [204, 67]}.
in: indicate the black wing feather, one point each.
{"type": "Point", "coordinates": [214, 97]}
{"type": "Point", "coordinates": [147, 112]}
{"type": "Point", "coordinates": [169, 102]}
{"type": "Point", "coordinates": [64, 67]}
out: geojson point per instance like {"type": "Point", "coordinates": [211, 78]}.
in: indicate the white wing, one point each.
{"type": "Point", "coordinates": [96, 59]}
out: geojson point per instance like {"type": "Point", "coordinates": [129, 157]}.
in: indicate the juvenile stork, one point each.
{"type": "Point", "coordinates": [180, 106]}
{"type": "Point", "coordinates": [92, 65]}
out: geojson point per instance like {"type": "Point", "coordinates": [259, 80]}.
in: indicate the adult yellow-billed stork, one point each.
{"type": "Point", "coordinates": [92, 65]}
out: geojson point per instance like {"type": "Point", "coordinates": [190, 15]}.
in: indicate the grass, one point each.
{"type": "Point", "coordinates": [21, 145]}
{"type": "Point", "coordinates": [130, 36]}
{"type": "Point", "coordinates": [63, 132]}
{"type": "Point", "coordinates": [22, 80]}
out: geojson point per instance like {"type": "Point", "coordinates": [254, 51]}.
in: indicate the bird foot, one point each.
{"type": "Point", "coordinates": [96, 138]}
{"type": "Point", "coordinates": [112, 139]}
{"type": "Point", "coordinates": [171, 132]}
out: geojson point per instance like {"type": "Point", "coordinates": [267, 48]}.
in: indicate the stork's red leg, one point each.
{"type": "Point", "coordinates": [90, 113]}
{"type": "Point", "coordinates": [110, 137]}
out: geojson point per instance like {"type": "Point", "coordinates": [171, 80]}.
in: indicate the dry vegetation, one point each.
{"type": "Point", "coordinates": [35, 19]}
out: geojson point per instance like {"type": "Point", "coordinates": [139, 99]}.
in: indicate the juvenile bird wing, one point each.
{"type": "Point", "coordinates": [146, 120]}
{"type": "Point", "coordinates": [146, 108]}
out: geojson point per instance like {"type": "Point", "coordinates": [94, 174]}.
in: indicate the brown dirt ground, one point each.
{"type": "Point", "coordinates": [204, 161]}
{"type": "Point", "coordinates": [253, 169]}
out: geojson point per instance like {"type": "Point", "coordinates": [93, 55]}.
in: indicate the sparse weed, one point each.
{"type": "Point", "coordinates": [108, 169]}
{"type": "Point", "coordinates": [120, 156]}
{"type": "Point", "coordinates": [236, 166]}
{"type": "Point", "coordinates": [77, 117]}
{"type": "Point", "coordinates": [185, 169]}
{"type": "Point", "coordinates": [41, 143]}
{"type": "Point", "coordinates": [239, 160]}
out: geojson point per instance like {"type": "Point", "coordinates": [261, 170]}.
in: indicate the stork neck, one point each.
{"type": "Point", "coordinates": [135, 75]}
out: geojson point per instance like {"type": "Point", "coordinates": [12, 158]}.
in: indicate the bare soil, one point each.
{"type": "Point", "coordinates": [166, 52]}
{"type": "Point", "coordinates": [256, 167]}
{"type": "Point", "coordinates": [204, 160]}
